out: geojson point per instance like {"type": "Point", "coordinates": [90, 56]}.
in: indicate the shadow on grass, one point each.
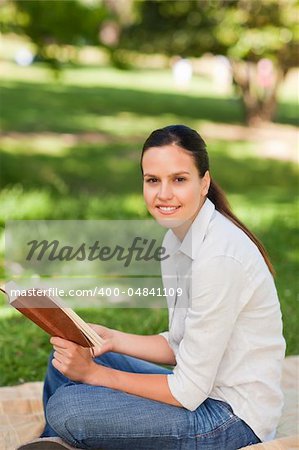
{"type": "Point", "coordinates": [85, 168]}
{"type": "Point", "coordinates": [113, 169]}
{"type": "Point", "coordinates": [66, 109]}
{"type": "Point", "coordinates": [75, 109]}
{"type": "Point", "coordinates": [257, 179]}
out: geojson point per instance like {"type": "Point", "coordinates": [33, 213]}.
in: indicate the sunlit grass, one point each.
{"type": "Point", "coordinates": [26, 359]}
{"type": "Point", "coordinates": [149, 79]}
{"type": "Point", "coordinates": [117, 102]}
{"type": "Point", "coordinates": [18, 204]}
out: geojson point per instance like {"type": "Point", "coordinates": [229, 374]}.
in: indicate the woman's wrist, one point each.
{"type": "Point", "coordinates": [115, 339]}
{"type": "Point", "coordinates": [98, 375]}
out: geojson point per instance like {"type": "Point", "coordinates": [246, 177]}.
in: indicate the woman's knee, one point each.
{"type": "Point", "coordinates": [64, 415]}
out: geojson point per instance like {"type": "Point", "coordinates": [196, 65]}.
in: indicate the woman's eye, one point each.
{"type": "Point", "coordinates": [151, 180]}
{"type": "Point", "coordinates": [180, 179]}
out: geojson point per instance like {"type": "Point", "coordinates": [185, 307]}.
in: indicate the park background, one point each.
{"type": "Point", "coordinates": [84, 82]}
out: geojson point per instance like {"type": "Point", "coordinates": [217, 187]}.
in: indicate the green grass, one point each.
{"type": "Point", "coordinates": [56, 174]}
{"type": "Point", "coordinates": [25, 359]}
{"type": "Point", "coordinates": [113, 102]}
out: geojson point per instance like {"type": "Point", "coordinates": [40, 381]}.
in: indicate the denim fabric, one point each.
{"type": "Point", "coordinates": [94, 417]}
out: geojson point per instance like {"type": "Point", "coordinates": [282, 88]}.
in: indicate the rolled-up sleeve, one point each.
{"type": "Point", "coordinates": [165, 334]}
{"type": "Point", "coordinates": [217, 295]}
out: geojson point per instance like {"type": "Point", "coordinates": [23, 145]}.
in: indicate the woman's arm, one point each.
{"type": "Point", "coordinates": [151, 386]}
{"type": "Point", "coordinates": [154, 348]}
{"type": "Point", "coordinates": [75, 362]}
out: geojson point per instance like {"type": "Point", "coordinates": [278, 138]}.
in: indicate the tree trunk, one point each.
{"type": "Point", "coordinates": [260, 105]}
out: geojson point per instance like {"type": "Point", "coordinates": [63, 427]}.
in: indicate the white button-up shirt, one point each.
{"type": "Point", "coordinates": [226, 328]}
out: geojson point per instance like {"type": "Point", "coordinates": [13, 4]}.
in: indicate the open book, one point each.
{"type": "Point", "coordinates": [52, 316]}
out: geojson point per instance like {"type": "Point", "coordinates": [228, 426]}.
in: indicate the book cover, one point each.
{"type": "Point", "coordinates": [50, 315]}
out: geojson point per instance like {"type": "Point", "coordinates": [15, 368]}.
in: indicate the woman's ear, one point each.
{"type": "Point", "coordinates": [206, 181]}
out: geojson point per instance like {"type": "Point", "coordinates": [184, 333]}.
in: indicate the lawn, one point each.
{"type": "Point", "coordinates": [70, 150]}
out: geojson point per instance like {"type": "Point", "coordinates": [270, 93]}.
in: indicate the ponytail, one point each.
{"type": "Point", "coordinates": [218, 197]}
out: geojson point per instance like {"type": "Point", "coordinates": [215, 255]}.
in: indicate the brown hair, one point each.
{"type": "Point", "coordinates": [191, 141]}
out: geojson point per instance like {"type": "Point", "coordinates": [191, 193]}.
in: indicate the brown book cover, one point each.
{"type": "Point", "coordinates": [56, 320]}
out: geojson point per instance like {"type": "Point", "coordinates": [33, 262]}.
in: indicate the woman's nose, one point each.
{"type": "Point", "coordinates": [165, 192]}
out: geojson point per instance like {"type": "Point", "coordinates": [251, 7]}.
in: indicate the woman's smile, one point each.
{"type": "Point", "coordinates": [167, 210]}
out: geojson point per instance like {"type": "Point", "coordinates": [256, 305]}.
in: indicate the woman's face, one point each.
{"type": "Point", "coordinates": [172, 188]}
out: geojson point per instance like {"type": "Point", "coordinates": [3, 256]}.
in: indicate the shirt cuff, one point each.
{"type": "Point", "coordinates": [185, 392]}
{"type": "Point", "coordinates": [165, 334]}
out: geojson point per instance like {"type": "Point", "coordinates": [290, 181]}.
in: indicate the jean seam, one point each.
{"type": "Point", "coordinates": [138, 436]}
{"type": "Point", "coordinates": [220, 428]}
{"type": "Point", "coordinates": [71, 440]}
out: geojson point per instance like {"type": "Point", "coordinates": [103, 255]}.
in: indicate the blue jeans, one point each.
{"type": "Point", "coordinates": [95, 417]}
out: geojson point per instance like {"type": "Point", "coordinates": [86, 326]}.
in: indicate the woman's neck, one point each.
{"type": "Point", "coordinates": [181, 230]}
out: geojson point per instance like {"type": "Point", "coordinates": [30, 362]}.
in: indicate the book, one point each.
{"type": "Point", "coordinates": [52, 316]}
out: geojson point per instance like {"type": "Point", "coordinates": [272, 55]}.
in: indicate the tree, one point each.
{"type": "Point", "coordinates": [57, 28]}
{"type": "Point", "coordinates": [259, 37]}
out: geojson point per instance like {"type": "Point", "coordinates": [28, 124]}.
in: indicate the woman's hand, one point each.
{"type": "Point", "coordinates": [72, 360]}
{"type": "Point", "coordinates": [109, 337]}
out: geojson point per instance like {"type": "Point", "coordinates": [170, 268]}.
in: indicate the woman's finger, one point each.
{"type": "Point", "coordinates": [59, 342]}
{"type": "Point", "coordinates": [60, 349]}
{"type": "Point", "coordinates": [57, 356]}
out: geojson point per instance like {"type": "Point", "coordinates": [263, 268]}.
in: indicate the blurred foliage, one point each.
{"type": "Point", "coordinates": [244, 31]}
{"type": "Point", "coordinates": [240, 29]}
{"type": "Point", "coordinates": [57, 28]}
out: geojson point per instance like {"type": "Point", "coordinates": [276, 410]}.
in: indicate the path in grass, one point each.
{"type": "Point", "coordinates": [270, 140]}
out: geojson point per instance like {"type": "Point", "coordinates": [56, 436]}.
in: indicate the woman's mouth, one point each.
{"type": "Point", "coordinates": [167, 210]}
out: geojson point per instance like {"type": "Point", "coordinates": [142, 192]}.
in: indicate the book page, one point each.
{"type": "Point", "coordinates": [89, 332]}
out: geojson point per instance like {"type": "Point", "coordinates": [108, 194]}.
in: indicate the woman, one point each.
{"type": "Point", "coordinates": [224, 339]}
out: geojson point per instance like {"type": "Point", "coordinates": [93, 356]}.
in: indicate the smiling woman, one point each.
{"type": "Point", "coordinates": [224, 340]}
{"type": "Point", "coordinates": [186, 148]}
{"type": "Point", "coordinates": [174, 190]}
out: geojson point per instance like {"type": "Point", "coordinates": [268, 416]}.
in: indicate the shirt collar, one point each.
{"type": "Point", "coordinates": [195, 235]}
